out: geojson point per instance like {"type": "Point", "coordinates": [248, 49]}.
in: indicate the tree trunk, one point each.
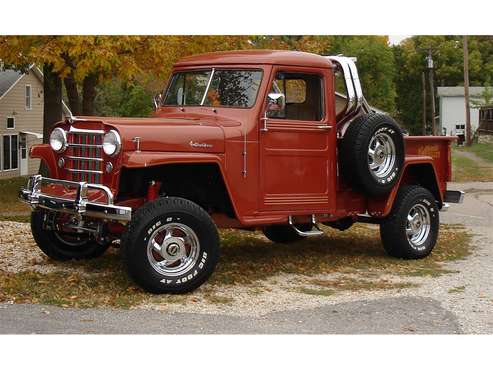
{"type": "Point", "coordinates": [52, 112]}
{"type": "Point", "coordinates": [72, 94]}
{"type": "Point", "coordinates": [89, 94]}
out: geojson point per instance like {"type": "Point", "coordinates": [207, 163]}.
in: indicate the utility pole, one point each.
{"type": "Point", "coordinates": [423, 84]}
{"type": "Point", "coordinates": [429, 60]}
{"type": "Point", "coordinates": [466, 93]}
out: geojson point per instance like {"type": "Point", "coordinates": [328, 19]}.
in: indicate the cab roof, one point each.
{"type": "Point", "coordinates": [256, 57]}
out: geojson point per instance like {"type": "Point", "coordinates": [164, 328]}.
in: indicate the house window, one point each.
{"type": "Point", "coordinates": [10, 122]}
{"type": "Point", "coordinates": [10, 157]}
{"type": "Point", "coordinates": [28, 97]}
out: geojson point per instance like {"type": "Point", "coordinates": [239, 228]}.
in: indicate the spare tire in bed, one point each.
{"type": "Point", "coordinates": [372, 153]}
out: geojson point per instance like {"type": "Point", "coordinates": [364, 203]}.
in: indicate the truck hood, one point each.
{"type": "Point", "coordinates": [169, 134]}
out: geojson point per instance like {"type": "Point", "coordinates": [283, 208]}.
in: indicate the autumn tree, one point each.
{"type": "Point", "coordinates": [83, 62]}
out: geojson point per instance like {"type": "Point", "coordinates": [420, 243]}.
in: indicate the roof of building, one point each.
{"type": "Point", "coordinates": [458, 90]}
{"type": "Point", "coordinates": [295, 58]}
{"type": "Point", "coordinates": [8, 78]}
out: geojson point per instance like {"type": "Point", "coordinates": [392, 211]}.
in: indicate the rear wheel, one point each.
{"type": "Point", "coordinates": [61, 243]}
{"type": "Point", "coordinates": [411, 229]}
{"type": "Point", "coordinates": [284, 233]}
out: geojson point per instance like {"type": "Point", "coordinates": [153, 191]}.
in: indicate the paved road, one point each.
{"type": "Point", "coordinates": [394, 315]}
{"type": "Point", "coordinates": [429, 310]}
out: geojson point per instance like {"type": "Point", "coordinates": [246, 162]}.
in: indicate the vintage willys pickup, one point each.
{"type": "Point", "coordinates": [271, 140]}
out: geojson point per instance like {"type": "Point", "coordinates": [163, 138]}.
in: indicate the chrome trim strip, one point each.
{"type": "Point", "coordinates": [75, 130]}
{"type": "Point", "coordinates": [85, 145]}
{"type": "Point", "coordinates": [83, 171]}
{"type": "Point", "coordinates": [84, 158]}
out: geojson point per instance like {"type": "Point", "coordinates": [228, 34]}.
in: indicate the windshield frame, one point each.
{"type": "Point", "coordinates": [212, 70]}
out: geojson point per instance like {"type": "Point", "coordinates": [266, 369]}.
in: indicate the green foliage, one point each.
{"type": "Point", "coordinates": [390, 75]}
{"type": "Point", "coordinates": [449, 71]}
{"type": "Point", "coordinates": [485, 98]}
{"type": "Point", "coordinates": [117, 99]}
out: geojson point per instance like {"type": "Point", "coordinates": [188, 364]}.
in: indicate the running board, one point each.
{"type": "Point", "coordinates": [312, 232]}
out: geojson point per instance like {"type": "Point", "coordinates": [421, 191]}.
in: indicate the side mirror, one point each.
{"type": "Point", "coordinates": [157, 101]}
{"type": "Point", "coordinates": [276, 102]}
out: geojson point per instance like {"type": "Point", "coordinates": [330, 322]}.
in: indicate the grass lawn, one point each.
{"type": "Point", "coordinates": [11, 209]}
{"type": "Point", "coordinates": [484, 151]}
{"type": "Point", "coordinates": [466, 169]}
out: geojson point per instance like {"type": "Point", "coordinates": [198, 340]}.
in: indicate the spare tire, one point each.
{"type": "Point", "coordinates": [372, 153]}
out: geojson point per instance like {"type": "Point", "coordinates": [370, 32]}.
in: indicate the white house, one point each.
{"type": "Point", "coordinates": [453, 108]}
{"type": "Point", "coordinates": [21, 120]}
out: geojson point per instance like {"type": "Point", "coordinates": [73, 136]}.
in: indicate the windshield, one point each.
{"type": "Point", "coordinates": [214, 88]}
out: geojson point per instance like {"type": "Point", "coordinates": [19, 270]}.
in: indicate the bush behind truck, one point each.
{"type": "Point", "coordinates": [245, 139]}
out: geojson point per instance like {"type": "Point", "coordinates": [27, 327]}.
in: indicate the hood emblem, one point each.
{"type": "Point", "coordinates": [194, 144]}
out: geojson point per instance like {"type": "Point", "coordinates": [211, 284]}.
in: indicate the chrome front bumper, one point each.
{"type": "Point", "coordinates": [80, 206]}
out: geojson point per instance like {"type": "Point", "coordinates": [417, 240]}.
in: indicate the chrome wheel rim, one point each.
{"type": "Point", "coordinates": [173, 249]}
{"type": "Point", "coordinates": [381, 155]}
{"type": "Point", "coordinates": [418, 225]}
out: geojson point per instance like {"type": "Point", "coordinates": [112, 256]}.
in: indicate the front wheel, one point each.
{"type": "Point", "coordinates": [170, 246]}
{"type": "Point", "coordinates": [411, 229]}
{"type": "Point", "coordinates": [61, 243]}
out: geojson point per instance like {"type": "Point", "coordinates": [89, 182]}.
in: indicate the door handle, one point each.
{"type": "Point", "coordinates": [264, 127]}
{"type": "Point", "coordinates": [324, 127]}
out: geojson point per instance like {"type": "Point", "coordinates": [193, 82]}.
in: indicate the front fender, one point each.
{"type": "Point", "coordinates": [46, 154]}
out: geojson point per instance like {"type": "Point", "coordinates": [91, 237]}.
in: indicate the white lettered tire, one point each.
{"type": "Point", "coordinates": [411, 229]}
{"type": "Point", "coordinates": [171, 245]}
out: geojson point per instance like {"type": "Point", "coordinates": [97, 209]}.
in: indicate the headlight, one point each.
{"type": "Point", "coordinates": [58, 140]}
{"type": "Point", "coordinates": [112, 143]}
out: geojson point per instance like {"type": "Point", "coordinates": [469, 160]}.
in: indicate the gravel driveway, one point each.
{"type": "Point", "coordinates": [452, 303]}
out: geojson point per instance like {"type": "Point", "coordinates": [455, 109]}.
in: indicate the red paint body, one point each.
{"type": "Point", "coordinates": [292, 169]}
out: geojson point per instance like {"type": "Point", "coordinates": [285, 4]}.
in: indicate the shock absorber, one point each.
{"type": "Point", "coordinates": [153, 190]}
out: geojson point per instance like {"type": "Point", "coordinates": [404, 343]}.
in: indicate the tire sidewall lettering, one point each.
{"type": "Point", "coordinates": [187, 276]}
{"type": "Point", "coordinates": [429, 206]}
{"type": "Point", "coordinates": [393, 175]}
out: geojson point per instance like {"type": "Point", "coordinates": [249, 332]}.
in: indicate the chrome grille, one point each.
{"type": "Point", "coordinates": [84, 157]}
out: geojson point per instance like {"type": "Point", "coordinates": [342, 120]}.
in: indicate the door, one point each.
{"type": "Point", "coordinates": [23, 162]}
{"type": "Point", "coordinates": [297, 145]}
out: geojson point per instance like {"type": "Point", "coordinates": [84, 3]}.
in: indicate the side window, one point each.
{"type": "Point", "coordinates": [303, 91]}
{"type": "Point", "coordinates": [28, 97]}
{"type": "Point", "coordinates": [10, 122]}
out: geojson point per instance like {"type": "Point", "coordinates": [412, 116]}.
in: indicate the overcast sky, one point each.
{"type": "Point", "coordinates": [396, 39]}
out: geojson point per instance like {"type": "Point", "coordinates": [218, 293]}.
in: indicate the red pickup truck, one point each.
{"type": "Point", "coordinates": [273, 140]}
